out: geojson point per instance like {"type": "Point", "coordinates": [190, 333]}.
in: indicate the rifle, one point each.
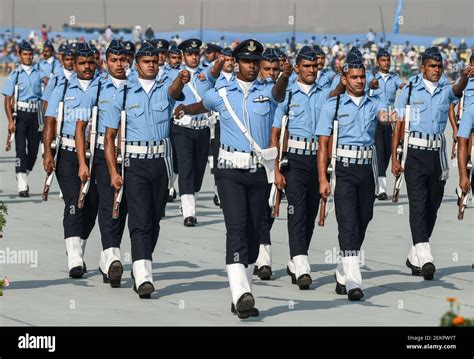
{"type": "Point", "coordinates": [460, 110]}
{"type": "Point", "coordinates": [331, 170]}
{"type": "Point", "coordinates": [402, 148]}
{"type": "Point", "coordinates": [11, 135]}
{"type": "Point", "coordinates": [462, 202]}
{"type": "Point", "coordinates": [56, 144]}
{"type": "Point", "coordinates": [282, 162]}
{"type": "Point", "coordinates": [90, 145]}
{"type": "Point", "coordinates": [121, 144]}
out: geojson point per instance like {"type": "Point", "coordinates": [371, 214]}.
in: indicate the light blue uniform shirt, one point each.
{"type": "Point", "coordinates": [74, 109]}
{"type": "Point", "coordinates": [254, 111]}
{"type": "Point", "coordinates": [201, 80]}
{"type": "Point", "coordinates": [429, 114]}
{"type": "Point", "coordinates": [29, 86]}
{"type": "Point", "coordinates": [356, 123]}
{"type": "Point", "coordinates": [387, 90]}
{"type": "Point", "coordinates": [50, 69]}
{"type": "Point", "coordinates": [52, 83]}
{"type": "Point", "coordinates": [304, 110]}
{"type": "Point", "coordinates": [148, 115]}
{"type": "Point", "coordinates": [467, 122]}
{"type": "Point", "coordinates": [469, 93]}
{"type": "Point", "coordinates": [108, 95]}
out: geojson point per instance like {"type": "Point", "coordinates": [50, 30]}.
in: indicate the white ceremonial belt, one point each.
{"type": "Point", "coordinates": [145, 150]}
{"type": "Point", "coordinates": [68, 142]}
{"type": "Point", "coordinates": [28, 105]}
{"type": "Point", "coordinates": [356, 154]}
{"type": "Point", "coordinates": [421, 142]}
{"type": "Point", "coordinates": [303, 145]}
{"type": "Point", "coordinates": [101, 140]}
{"type": "Point", "coordinates": [240, 160]}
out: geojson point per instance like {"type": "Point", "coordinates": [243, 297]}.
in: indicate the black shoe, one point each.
{"type": "Point", "coordinates": [216, 201]}
{"type": "Point", "coordinates": [255, 270]}
{"type": "Point", "coordinates": [105, 279]}
{"type": "Point", "coordinates": [355, 294]}
{"type": "Point", "coordinates": [24, 194]}
{"type": "Point", "coordinates": [84, 267]}
{"type": "Point", "coordinates": [115, 274]}
{"type": "Point", "coordinates": [172, 197]}
{"type": "Point", "coordinates": [244, 306]}
{"type": "Point", "coordinates": [265, 272]}
{"type": "Point", "coordinates": [76, 272]}
{"type": "Point", "coordinates": [292, 275]}
{"type": "Point", "coordinates": [427, 271]}
{"type": "Point", "coordinates": [340, 288]}
{"type": "Point", "coordinates": [304, 281]}
{"type": "Point", "coordinates": [253, 312]}
{"type": "Point", "coordinates": [414, 269]}
{"type": "Point", "coordinates": [144, 290]}
{"type": "Point", "coordinates": [382, 196]}
{"type": "Point", "coordinates": [190, 221]}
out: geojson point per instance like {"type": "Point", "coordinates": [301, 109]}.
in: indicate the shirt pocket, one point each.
{"type": "Point", "coordinates": [417, 112]}
{"type": "Point", "coordinates": [161, 111]}
{"type": "Point", "coordinates": [135, 118]}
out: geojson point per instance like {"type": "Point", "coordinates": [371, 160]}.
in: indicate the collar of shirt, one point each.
{"type": "Point", "coordinates": [295, 88]}
{"type": "Point", "coordinates": [233, 85]}
{"type": "Point", "coordinates": [379, 75]}
{"type": "Point", "coordinates": [136, 86]}
{"type": "Point", "coordinates": [227, 75]}
{"type": "Point", "coordinates": [346, 98]}
{"type": "Point", "coordinates": [67, 73]}
{"type": "Point", "coordinates": [116, 82]}
{"type": "Point", "coordinates": [27, 69]}
{"type": "Point", "coordinates": [421, 86]}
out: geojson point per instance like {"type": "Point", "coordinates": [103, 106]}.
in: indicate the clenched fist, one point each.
{"type": "Point", "coordinates": [185, 76]}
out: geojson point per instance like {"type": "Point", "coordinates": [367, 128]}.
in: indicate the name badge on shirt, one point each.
{"type": "Point", "coordinates": [69, 98]}
{"type": "Point", "coordinates": [294, 105]}
{"type": "Point", "coordinates": [133, 106]}
{"type": "Point", "coordinates": [418, 102]}
{"type": "Point", "coordinates": [104, 101]}
{"type": "Point", "coordinates": [261, 98]}
{"type": "Point", "coordinates": [343, 115]}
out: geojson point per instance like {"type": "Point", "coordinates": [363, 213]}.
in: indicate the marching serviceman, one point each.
{"type": "Point", "coordinates": [300, 175]}
{"type": "Point", "coordinates": [466, 152]}
{"type": "Point", "coordinates": [191, 135]}
{"type": "Point", "coordinates": [140, 113]}
{"type": "Point", "coordinates": [93, 135]}
{"type": "Point", "coordinates": [246, 163]}
{"type": "Point", "coordinates": [426, 168]}
{"type": "Point", "coordinates": [49, 66]}
{"type": "Point", "coordinates": [22, 93]}
{"type": "Point", "coordinates": [351, 118]}
{"type": "Point", "coordinates": [387, 86]}
{"type": "Point", "coordinates": [77, 222]}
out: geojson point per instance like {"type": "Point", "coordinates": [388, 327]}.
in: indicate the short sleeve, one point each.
{"type": "Point", "coordinates": [324, 125]}
{"type": "Point", "coordinates": [9, 88]}
{"type": "Point", "coordinates": [210, 99]}
{"type": "Point", "coordinates": [467, 122]}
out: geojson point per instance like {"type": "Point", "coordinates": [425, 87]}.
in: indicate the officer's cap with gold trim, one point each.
{"type": "Point", "coordinates": [190, 45]}
{"type": "Point", "coordinates": [248, 49]}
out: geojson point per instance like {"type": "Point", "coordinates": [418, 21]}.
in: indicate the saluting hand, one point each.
{"type": "Point", "coordinates": [220, 59]}
{"type": "Point", "coordinates": [185, 76]}
{"type": "Point", "coordinates": [468, 71]}
{"type": "Point", "coordinates": [374, 84]}
{"type": "Point", "coordinates": [287, 69]}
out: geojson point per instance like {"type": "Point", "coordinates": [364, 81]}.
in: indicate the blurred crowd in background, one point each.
{"type": "Point", "coordinates": [405, 58]}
